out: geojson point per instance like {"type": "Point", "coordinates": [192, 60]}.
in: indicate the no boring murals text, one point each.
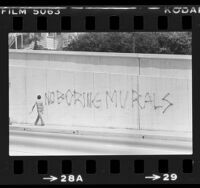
{"type": "Point", "coordinates": [122, 99]}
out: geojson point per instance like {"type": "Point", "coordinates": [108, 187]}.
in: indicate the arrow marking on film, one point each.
{"type": "Point", "coordinates": [153, 177]}
{"type": "Point", "coordinates": [51, 178]}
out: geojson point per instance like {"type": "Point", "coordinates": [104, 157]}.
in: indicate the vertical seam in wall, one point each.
{"type": "Point", "coordinates": [138, 90]}
{"type": "Point", "coordinates": [74, 108]}
{"type": "Point", "coordinates": [93, 92]}
{"type": "Point", "coordinates": [139, 65]}
{"type": "Point", "coordinates": [47, 106]}
{"type": "Point", "coordinates": [25, 82]}
{"type": "Point", "coordinates": [111, 112]}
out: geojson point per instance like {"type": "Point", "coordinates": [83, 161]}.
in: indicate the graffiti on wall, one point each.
{"type": "Point", "coordinates": [109, 99]}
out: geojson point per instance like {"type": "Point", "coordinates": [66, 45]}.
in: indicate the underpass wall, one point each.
{"type": "Point", "coordinates": [135, 91]}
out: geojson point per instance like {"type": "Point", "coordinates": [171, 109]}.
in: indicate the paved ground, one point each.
{"type": "Point", "coordinates": [105, 131]}
{"type": "Point", "coordinates": [29, 142]}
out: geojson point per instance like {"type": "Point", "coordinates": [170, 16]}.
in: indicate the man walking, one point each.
{"type": "Point", "coordinates": [40, 109]}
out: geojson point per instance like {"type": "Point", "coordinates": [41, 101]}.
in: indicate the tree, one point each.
{"type": "Point", "coordinates": [137, 42]}
{"type": "Point", "coordinates": [175, 42]}
{"type": "Point", "coordinates": [102, 42]}
{"type": "Point", "coordinates": [32, 38]}
{"type": "Point", "coordinates": [146, 42]}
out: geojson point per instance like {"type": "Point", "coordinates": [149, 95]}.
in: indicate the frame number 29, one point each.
{"type": "Point", "coordinates": [170, 177]}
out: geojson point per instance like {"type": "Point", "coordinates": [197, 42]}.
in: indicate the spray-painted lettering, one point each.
{"type": "Point", "coordinates": [110, 99]}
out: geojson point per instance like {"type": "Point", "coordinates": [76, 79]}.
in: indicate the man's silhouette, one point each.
{"type": "Point", "coordinates": [40, 109]}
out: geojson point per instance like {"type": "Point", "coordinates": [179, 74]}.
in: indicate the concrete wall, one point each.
{"type": "Point", "coordinates": [139, 91]}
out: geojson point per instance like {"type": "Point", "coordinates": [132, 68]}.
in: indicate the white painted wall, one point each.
{"type": "Point", "coordinates": [102, 89]}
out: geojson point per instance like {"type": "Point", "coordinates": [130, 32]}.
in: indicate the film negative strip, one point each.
{"type": "Point", "coordinates": [100, 94]}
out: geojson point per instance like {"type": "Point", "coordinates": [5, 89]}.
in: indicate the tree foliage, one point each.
{"type": "Point", "coordinates": [137, 42]}
{"type": "Point", "coordinates": [33, 38]}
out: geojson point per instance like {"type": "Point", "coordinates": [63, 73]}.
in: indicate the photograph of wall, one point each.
{"type": "Point", "coordinates": [100, 93]}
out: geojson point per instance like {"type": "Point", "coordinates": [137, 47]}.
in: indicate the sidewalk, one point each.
{"type": "Point", "coordinates": [95, 131]}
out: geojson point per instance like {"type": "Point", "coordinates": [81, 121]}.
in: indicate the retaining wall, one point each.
{"type": "Point", "coordinates": [138, 91]}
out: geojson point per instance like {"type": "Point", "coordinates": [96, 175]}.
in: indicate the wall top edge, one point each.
{"type": "Point", "coordinates": [103, 54]}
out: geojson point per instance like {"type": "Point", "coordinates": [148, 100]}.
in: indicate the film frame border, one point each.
{"type": "Point", "coordinates": [99, 169]}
